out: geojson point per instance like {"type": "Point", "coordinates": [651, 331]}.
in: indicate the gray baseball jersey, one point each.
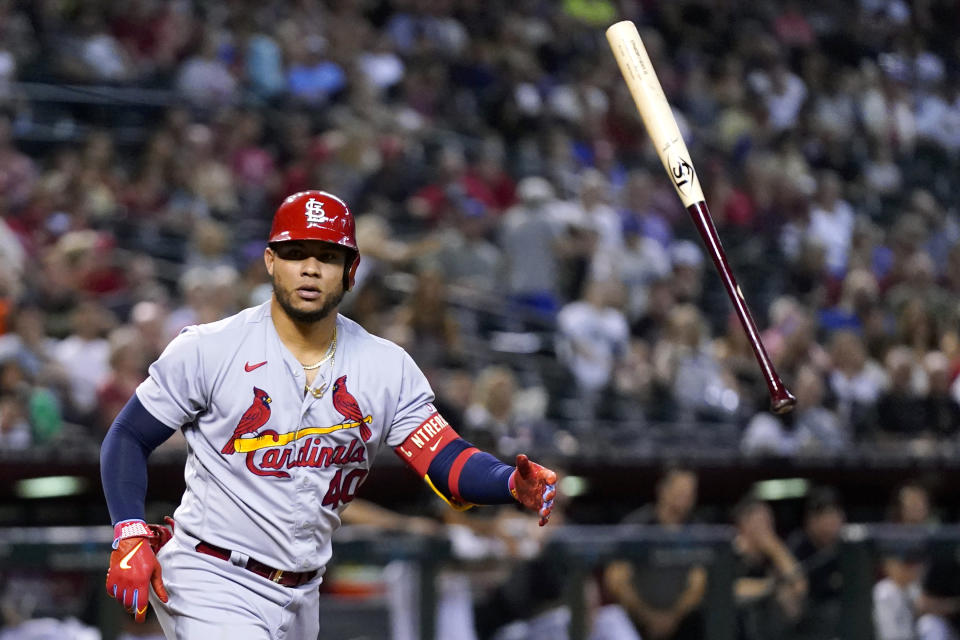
{"type": "Point", "coordinates": [270, 468]}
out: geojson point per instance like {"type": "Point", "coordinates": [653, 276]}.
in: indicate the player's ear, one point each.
{"type": "Point", "coordinates": [268, 258]}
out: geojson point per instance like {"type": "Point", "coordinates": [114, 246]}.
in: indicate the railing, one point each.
{"type": "Point", "coordinates": [580, 550]}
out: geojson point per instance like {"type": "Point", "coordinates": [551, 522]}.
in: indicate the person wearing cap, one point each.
{"type": "Point", "coordinates": [284, 406]}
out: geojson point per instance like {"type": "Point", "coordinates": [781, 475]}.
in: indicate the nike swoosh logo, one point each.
{"type": "Point", "coordinates": [250, 367]}
{"type": "Point", "coordinates": [435, 445]}
{"type": "Point", "coordinates": [124, 563]}
{"type": "Point", "coordinates": [140, 612]}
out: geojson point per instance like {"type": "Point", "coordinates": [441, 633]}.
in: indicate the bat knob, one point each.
{"type": "Point", "coordinates": [783, 402]}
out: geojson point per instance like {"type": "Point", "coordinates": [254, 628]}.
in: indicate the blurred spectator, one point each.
{"type": "Point", "coordinates": [84, 357]}
{"type": "Point", "coordinates": [596, 213]}
{"type": "Point", "coordinates": [663, 597]}
{"type": "Point", "coordinates": [495, 419]}
{"type": "Point", "coordinates": [466, 257]}
{"type": "Point", "coordinates": [911, 505]}
{"type": "Point", "coordinates": [769, 587]}
{"type": "Point", "coordinates": [531, 238]}
{"type": "Point", "coordinates": [817, 548]}
{"type": "Point", "coordinates": [941, 409]}
{"type": "Point", "coordinates": [148, 319]}
{"type": "Point", "coordinates": [640, 262]}
{"type": "Point", "coordinates": [380, 64]}
{"type": "Point", "coordinates": [791, 337]}
{"type": "Point", "coordinates": [312, 78]}
{"type": "Point", "coordinates": [96, 54]}
{"type": "Point", "coordinates": [686, 260]}
{"type": "Point", "coordinates": [14, 428]}
{"type": "Point", "coordinates": [27, 341]}
{"type": "Point", "coordinates": [895, 595]}
{"type": "Point", "coordinates": [592, 334]}
{"type": "Point", "coordinates": [858, 297]}
{"type": "Point", "coordinates": [454, 190]}
{"type": "Point", "coordinates": [782, 91]}
{"type": "Point", "coordinates": [128, 368]}
{"type": "Point", "coordinates": [209, 245]}
{"type": "Point", "coordinates": [29, 413]}
{"type": "Point", "coordinates": [19, 174]}
{"type": "Point", "coordinates": [426, 326]}
{"type": "Point", "coordinates": [900, 408]}
{"type": "Point", "coordinates": [810, 429]}
{"type": "Point", "coordinates": [938, 607]}
{"type": "Point", "coordinates": [885, 107]}
{"type": "Point", "coordinates": [639, 215]}
{"type": "Point", "coordinates": [855, 382]}
{"type": "Point", "coordinates": [698, 385]}
{"type": "Point", "coordinates": [264, 65]}
{"type": "Point", "coordinates": [210, 179]}
{"type": "Point", "coordinates": [204, 80]}
{"type": "Point", "coordinates": [831, 222]}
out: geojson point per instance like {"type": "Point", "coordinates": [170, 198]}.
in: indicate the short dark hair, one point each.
{"type": "Point", "coordinates": [822, 499]}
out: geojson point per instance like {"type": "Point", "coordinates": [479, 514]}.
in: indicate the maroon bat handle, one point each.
{"type": "Point", "coordinates": [781, 400]}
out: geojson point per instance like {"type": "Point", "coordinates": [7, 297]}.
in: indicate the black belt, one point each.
{"type": "Point", "coordinates": [281, 577]}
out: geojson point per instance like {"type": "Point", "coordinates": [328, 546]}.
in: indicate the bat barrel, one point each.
{"type": "Point", "coordinates": [781, 400]}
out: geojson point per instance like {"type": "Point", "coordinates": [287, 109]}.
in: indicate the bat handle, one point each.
{"type": "Point", "coordinates": [781, 400]}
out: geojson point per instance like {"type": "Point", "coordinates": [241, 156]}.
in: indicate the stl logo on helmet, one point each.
{"type": "Point", "coordinates": [315, 213]}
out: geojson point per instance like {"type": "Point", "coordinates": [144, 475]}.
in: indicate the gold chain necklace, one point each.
{"type": "Point", "coordinates": [330, 355]}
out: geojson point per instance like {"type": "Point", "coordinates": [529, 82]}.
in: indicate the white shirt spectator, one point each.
{"type": "Point", "coordinates": [931, 627]}
{"type": "Point", "coordinates": [864, 387]}
{"type": "Point", "coordinates": [833, 229]}
{"type": "Point", "coordinates": [887, 119]}
{"type": "Point", "coordinates": [938, 121]}
{"type": "Point", "coordinates": [87, 364]}
{"type": "Point", "coordinates": [207, 82]}
{"type": "Point", "coordinates": [893, 617]}
{"type": "Point", "coordinates": [816, 430]}
{"type": "Point", "coordinates": [836, 114]}
{"type": "Point", "coordinates": [574, 103]}
{"type": "Point", "coordinates": [784, 104]}
{"type": "Point", "coordinates": [104, 57]}
{"type": "Point", "coordinates": [382, 68]}
{"type": "Point", "coordinates": [592, 339]}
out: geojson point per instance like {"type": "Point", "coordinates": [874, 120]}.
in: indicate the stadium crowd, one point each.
{"type": "Point", "coordinates": [518, 235]}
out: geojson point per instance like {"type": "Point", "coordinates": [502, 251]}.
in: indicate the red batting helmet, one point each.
{"type": "Point", "coordinates": [318, 215]}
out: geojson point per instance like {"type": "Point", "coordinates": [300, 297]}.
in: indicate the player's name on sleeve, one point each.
{"type": "Point", "coordinates": [428, 429]}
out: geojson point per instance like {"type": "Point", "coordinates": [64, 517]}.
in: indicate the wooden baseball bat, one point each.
{"type": "Point", "coordinates": [658, 119]}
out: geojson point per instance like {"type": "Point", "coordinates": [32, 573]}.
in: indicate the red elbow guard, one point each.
{"type": "Point", "coordinates": [425, 442]}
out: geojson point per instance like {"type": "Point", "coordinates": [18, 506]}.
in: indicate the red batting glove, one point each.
{"type": "Point", "coordinates": [133, 567]}
{"type": "Point", "coordinates": [534, 487]}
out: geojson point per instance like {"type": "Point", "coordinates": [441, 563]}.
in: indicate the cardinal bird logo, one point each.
{"type": "Point", "coordinates": [346, 404]}
{"type": "Point", "coordinates": [253, 418]}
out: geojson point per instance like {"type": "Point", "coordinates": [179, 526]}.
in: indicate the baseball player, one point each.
{"type": "Point", "coordinates": [284, 407]}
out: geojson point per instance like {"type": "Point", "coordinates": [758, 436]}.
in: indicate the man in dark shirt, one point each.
{"type": "Point", "coordinates": [817, 549]}
{"type": "Point", "coordinates": [663, 595]}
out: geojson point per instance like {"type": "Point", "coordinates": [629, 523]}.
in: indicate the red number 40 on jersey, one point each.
{"type": "Point", "coordinates": [343, 488]}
